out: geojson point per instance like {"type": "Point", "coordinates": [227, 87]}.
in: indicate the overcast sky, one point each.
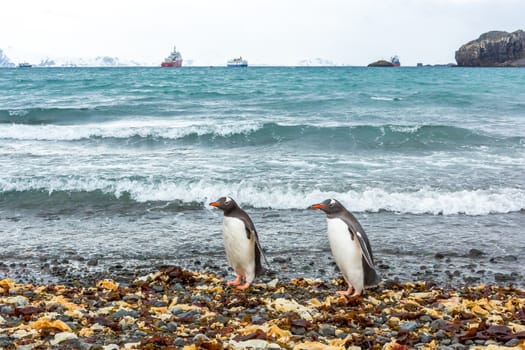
{"type": "Point", "coordinates": [275, 32]}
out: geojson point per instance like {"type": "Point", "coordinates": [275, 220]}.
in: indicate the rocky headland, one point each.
{"type": "Point", "coordinates": [494, 49]}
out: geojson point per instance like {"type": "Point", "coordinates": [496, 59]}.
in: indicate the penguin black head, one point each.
{"type": "Point", "coordinates": [226, 204]}
{"type": "Point", "coordinates": [329, 206]}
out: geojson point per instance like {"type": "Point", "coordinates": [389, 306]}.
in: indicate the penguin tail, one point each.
{"type": "Point", "coordinates": [372, 278]}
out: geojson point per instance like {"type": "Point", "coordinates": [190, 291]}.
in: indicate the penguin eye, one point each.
{"type": "Point", "coordinates": [331, 205]}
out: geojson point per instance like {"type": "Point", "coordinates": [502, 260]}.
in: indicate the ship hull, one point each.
{"type": "Point", "coordinates": [237, 65]}
{"type": "Point", "coordinates": [171, 64]}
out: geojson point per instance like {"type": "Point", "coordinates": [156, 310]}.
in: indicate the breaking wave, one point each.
{"type": "Point", "coordinates": [255, 133]}
{"type": "Point", "coordinates": [124, 193]}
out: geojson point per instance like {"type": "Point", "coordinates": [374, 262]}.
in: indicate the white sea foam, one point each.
{"type": "Point", "coordinates": [405, 129]}
{"type": "Point", "coordinates": [423, 201]}
{"type": "Point", "coordinates": [172, 130]}
{"type": "Point", "coordinates": [385, 98]}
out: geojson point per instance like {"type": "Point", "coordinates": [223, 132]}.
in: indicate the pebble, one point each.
{"type": "Point", "coordinates": [172, 326]}
{"type": "Point", "coordinates": [425, 318]}
{"type": "Point", "coordinates": [297, 330]}
{"type": "Point", "coordinates": [200, 338]}
{"type": "Point", "coordinates": [425, 338]}
{"type": "Point", "coordinates": [178, 341]}
{"type": "Point", "coordinates": [458, 346]}
{"type": "Point", "coordinates": [438, 324]}
{"type": "Point", "coordinates": [409, 326]}
{"type": "Point", "coordinates": [475, 253]}
{"type": "Point", "coordinates": [327, 330]}
{"type": "Point", "coordinates": [512, 342]}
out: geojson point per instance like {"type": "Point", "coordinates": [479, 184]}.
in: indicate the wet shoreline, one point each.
{"type": "Point", "coordinates": [450, 251]}
{"type": "Point", "coordinates": [446, 269]}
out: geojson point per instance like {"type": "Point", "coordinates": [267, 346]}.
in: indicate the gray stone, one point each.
{"type": "Point", "coordinates": [425, 318]}
{"type": "Point", "coordinates": [178, 341]}
{"type": "Point", "coordinates": [425, 338]}
{"type": "Point", "coordinates": [297, 330]}
{"type": "Point", "coordinates": [172, 327]}
{"type": "Point", "coordinates": [200, 338]}
{"type": "Point", "coordinates": [513, 342]}
{"type": "Point", "coordinates": [494, 49]}
{"type": "Point", "coordinates": [409, 326]}
{"type": "Point", "coordinates": [327, 330]}
{"type": "Point", "coordinates": [175, 310]}
{"type": "Point", "coordinates": [438, 324]}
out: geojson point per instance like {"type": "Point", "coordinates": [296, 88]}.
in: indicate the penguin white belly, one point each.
{"type": "Point", "coordinates": [239, 249]}
{"type": "Point", "coordinates": [347, 253]}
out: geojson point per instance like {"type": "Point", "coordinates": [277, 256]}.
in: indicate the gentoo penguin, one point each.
{"type": "Point", "coordinates": [241, 242]}
{"type": "Point", "coordinates": [350, 247]}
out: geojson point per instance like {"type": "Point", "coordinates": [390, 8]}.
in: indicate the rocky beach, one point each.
{"type": "Point", "coordinates": [176, 308]}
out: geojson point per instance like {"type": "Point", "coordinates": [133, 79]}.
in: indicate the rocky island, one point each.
{"type": "Point", "coordinates": [381, 63]}
{"type": "Point", "coordinates": [494, 49]}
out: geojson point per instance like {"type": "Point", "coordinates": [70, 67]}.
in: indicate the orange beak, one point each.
{"type": "Point", "coordinates": [318, 206]}
{"type": "Point", "coordinates": [214, 204]}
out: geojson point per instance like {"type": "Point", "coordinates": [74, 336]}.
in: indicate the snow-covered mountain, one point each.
{"type": "Point", "coordinates": [317, 62]}
{"type": "Point", "coordinates": [4, 60]}
{"type": "Point", "coordinates": [100, 61]}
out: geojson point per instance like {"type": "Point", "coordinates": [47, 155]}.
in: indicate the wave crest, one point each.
{"type": "Point", "coordinates": [196, 194]}
{"type": "Point", "coordinates": [392, 137]}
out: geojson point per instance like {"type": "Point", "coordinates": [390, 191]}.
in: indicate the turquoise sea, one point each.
{"type": "Point", "coordinates": [110, 170]}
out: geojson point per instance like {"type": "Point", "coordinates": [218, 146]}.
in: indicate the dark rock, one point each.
{"type": "Point", "coordinates": [425, 338]}
{"type": "Point", "coordinates": [475, 253]}
{"type": "Point", "coordinates": [409, 326]}
{"type": "Point", "coordinates": [512, 342]}
{"type": "Point", "coordinates": [425, 318]}
{"type": "Point", "coordinates": [438, 324]}
{"type": "Point", "coordinates": [92, 262]}
{"type": "Point", "coordinates": [503, 277]}
{"type": "Point", "coordinates": [327, 330]}
{"type": "Point", "coordinates": [494, 49]}
{"type": "Point", "coordinates": [297, 330]}
{"type": "Point", "coordinates": [200, 338]}
{"type": "Point", "coordinates": [439, 255]}
{"type": "Point", "coordinates": [281, 260]}
{"type": "Point", "coordinates": [178, 342]}
{"type": "Point", "coordinates": [381, 63]}
{"type": "Point", "coordinates": [172, 327]}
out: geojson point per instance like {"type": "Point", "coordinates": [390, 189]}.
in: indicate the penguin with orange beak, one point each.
{"type": "Point", "coordinates": [350, 247]}
{"type": "Point", "coordinates": [241, 242]}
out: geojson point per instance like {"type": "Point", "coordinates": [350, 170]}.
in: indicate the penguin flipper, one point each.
{"type": "Point", "coordinates": [364, 248]}
{"type": "Point", "coordinates": [371, 276]}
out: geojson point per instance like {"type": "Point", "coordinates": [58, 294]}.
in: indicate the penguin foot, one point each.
{"type": "Point", "coordinates": [235, 282]}
{"type": "Point", "coordinates": [244, 286]}
{"type": "Point", "coordinates": [346, 292]}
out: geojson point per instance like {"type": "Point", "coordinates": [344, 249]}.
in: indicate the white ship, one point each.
{"type": "Point", "coordinates": [237, 62]}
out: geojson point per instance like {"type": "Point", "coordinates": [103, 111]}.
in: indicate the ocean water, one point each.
{"type": "Point", "coordinates": [110, 170]}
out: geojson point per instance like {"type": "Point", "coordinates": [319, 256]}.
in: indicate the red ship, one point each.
{"type": "Point", "coordinates": [173, 60]}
